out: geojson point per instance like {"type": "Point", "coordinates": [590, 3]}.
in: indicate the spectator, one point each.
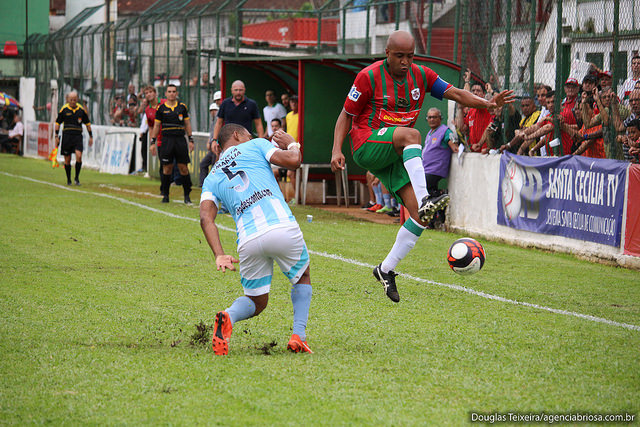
{"type": "Point", "coordinates": [273, 110]}
{"type": "Point", "coordinates": [130, 114]}
{"type": "Point", "coordinates": [571, 89]}
{"type": "Point", "coordinates": [212, 149]}
{"type": "Point", "coordinates": [632, 140]}
{"type": "Point", "coordinates": [492, 136]}
{"type": "Point", "coordinates": [291, 120]}
{"type": "Point", "coordinates": [240, 110]}
{"type": "Point", "coordinates": [541, 95]}
{"type": "Point", "coordinates": [13, 143]}
{"type": "Point", "coordinates": [476, 120]}
{"type": "Point", "coordinates": [131, 94]}
{"type": "Point", "coordinates": [589, 141]}
{"type": "Point", "coordinates": [544, 132]}
{"type": "Point", "coordinates": [282, 173]}
{"type": "Point", "coordinates": [531, 115]}
{"type": "Point", "coordinates": [606, 80]}
{"type": "Point", "coordinates": [611, 116]}
{"type": "Point", "coordinates": [439, 144]}
{"type": "Point", "coordinates": [374, 199]}
{"type": "Point", "coordinates": [117, 111]}
{"type": "Point", "coordinates": [291, 127]}
{"type": "Point", "coordinates": [634, 102]}
{"type": "Point", "coordinates": [631, 82]}
{"type": "Point", "coordinates": [285, 101]}
{"type": "Point", "coordinates": [589, 86]}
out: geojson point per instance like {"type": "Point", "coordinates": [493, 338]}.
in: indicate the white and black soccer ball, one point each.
{"type": "Point", "coordinates": [466, 256]}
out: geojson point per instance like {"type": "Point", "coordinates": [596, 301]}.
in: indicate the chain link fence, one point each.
{"type": "Point", "coordinates": [514, 44]}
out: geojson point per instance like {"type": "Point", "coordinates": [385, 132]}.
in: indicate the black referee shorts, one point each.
{"type": "Point", "coordinates": [71, 142]}
{"type": "Point", "coordinates": [174, 147]}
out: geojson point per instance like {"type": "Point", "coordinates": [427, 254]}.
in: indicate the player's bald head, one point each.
{"type": "Point", "coordinates": [401, 40]}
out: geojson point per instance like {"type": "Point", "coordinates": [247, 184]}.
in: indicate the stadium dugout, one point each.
{"type": "Point", "coordinates": [321, 84]}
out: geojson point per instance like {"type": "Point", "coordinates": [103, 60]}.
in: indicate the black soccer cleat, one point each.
{"type": "Point", "coordinates": [77, 182]}
{"type": "Point", "coordinates": [165, 198]}
{"type": "Point", "coordinates": [388, 280]}
{"type": "Point", "coordinates": [68, 182]}
{"type": "Point", "coordinates": [430, 205]}
{"type": "Point", "coordinates": [187, 200]}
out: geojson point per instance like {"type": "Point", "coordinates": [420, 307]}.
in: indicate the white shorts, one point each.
{"type": "Point", "coordinates": [284, 245]}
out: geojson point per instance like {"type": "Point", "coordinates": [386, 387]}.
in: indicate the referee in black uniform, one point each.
{"type": "Point", "coordinates": [173, 117]}
{"type": "Point", "coordinates": [72, 115]}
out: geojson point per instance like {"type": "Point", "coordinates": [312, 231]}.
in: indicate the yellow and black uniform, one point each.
{"type": "Point", "coordinates": [174, 143]}
{"type": "Point", "coordinates": [72, 120]}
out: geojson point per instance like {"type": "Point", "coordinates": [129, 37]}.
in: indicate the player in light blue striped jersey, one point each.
{"type": "Point", "coordinates": [267, 231]}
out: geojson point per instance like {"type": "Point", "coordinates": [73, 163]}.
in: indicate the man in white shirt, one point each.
{"type": "Point", "coordinates": [273, 110]}
{"type": "Point", "coordinates": [630, 83]}
{"type": "Point", "coordinates": [14, 142]}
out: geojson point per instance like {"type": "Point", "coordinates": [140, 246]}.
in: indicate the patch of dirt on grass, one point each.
{"type": "Point", "coordinates": [202, 335]}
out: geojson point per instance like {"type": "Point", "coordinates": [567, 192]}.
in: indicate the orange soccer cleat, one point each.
{"type": "Point", "coordinates": [222, 328]}
{"type": "Point", "coordinates": [297, 345]}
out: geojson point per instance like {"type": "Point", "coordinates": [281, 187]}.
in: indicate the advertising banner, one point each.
{"type": "Point", "coordinates": [43, 140]}
{"type": "Point", "coordinates": [116, 153]}
{"type": "Point", "coordinates": [632, 231]}
{"type": "Point", "coordinates": [572, 196]}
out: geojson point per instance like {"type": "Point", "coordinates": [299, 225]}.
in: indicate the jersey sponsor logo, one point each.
{"type": "Point", "coordinates": [397, 118]}
{"type": "Point", "coordinates": [254, 198]}
{"type": "Point", "coordinates": [354, 94]}
{"type": "Point", "coordinates": [415, 94]}
{"type": "Point", "coordinates": [382, 131]}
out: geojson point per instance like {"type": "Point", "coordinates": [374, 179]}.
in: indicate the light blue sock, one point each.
{"type": "Point", "coordinates": [242, 308]}
{"type": "Point", "coordinates": [301, 299]}
{"type": "Point", "coordinates": [387, 199]}
{"type": "Point", "coordinates": [377, 190]}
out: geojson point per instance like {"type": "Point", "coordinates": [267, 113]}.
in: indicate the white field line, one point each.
{"type": "Point", "coordinates": [142, 193]}
{"type": "Point", "coordinates": [352, 261]}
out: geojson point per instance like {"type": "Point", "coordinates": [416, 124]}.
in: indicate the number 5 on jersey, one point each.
{"type": "Point", "coordinates": [243, 176]}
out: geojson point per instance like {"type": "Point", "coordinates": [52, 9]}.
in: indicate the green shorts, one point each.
{"type": "Point", "coordinates": [378, 156]}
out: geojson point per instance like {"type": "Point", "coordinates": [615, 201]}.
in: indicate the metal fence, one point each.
{"type": "Point", "coordinates": [512, 43]}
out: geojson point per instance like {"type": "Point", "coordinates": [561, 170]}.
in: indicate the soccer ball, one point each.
{"type": "Point", "coordinates": [466, 256]}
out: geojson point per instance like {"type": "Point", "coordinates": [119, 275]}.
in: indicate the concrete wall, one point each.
{"type": "Point", "coordinates": [473, 187]}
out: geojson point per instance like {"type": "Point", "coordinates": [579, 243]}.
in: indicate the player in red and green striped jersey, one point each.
{"type": "Point", "coordinates": [381, 108]}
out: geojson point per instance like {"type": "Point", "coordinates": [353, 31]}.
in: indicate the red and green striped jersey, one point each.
{"type": "Point", "coordinates": [376, 100]}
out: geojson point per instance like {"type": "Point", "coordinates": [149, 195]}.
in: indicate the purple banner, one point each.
{"type": "Point", "coordinates": [572, 196]}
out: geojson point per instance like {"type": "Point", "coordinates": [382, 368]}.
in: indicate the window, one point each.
{"type": "Point", "coordinates": [596, 58]}
{"type": "Point", "coordinates": [620, 66]}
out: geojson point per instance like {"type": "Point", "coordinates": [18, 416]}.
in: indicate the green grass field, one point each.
{"type": "Point", "coordinates": [100, 298]}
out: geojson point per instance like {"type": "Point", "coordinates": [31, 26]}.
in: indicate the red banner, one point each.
{"type": "Point", "coordinates": [632, 231]}
{"type": "Point", "coordinates": [43, 140]}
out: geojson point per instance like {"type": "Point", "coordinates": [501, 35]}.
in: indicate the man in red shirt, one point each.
{"type": "Point", "coordinates": [477, 120]}
{"type": "Point", "coordinates": [381, 109]}
{"type": "Point", "coordinates": [571, 88]}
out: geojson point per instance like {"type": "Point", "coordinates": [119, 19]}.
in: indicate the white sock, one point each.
{"type": "Point", "coordinates": [415, 169]}
{"type": "Point", "coordinates": [406, 239]}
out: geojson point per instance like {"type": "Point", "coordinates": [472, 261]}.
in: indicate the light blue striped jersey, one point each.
{"type": "Point", "coordinates": [243, 181]}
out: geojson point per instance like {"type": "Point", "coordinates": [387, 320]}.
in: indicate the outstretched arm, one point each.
{"type": "Point", "coordinates": [339, 134]}
{"type": "Point", "coordinates": [470, 100]}
{"type": "Point", "coordinates": [208, 212]}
